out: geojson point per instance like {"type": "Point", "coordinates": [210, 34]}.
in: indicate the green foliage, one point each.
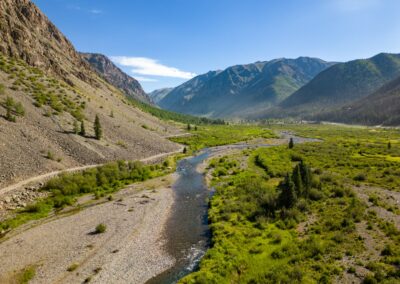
{"type": "Point", "coordinates": [174, 116]}
{"type": "Point", "coordinates": [26, 275]}
{"type": "Point", "coordinates": [45, 90]}
{"type": "Point", "coordinates": [13, 109]}
{"type": "Point", "coordinates": [215, 135]}
{"type": "Point", "coordinates": [257, 238]}
{"type": "Point", "coordinates": [100, 228]}
{"type": "Point", "coordinates": [97, 128]}
{"type": "Point", "coordinates": [65, 189]}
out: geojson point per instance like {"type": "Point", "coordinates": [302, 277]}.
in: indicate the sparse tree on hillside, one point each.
{"type": "Point", "coordinates": [287, 197]}
{"type": "Point", "coordinates": [291, 143]}
{"type": "Point", "coordinates": [184, 150]}
{"type": "Point", "coordinates": [76, 127]}
{"type": "Point", "coordinates": [83, 130]}
{"type": "Point", "coordinates": [189, 127]}
{"type": "Point", "coordinates": [97, 128]}
{"type": "Point", "coordinates": [389, 145]}
{"type": "Point", "coordinates": [195, 128]}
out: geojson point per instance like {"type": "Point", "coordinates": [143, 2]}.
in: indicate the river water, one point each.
{"type": "Point", "coordinates": [187, 231]}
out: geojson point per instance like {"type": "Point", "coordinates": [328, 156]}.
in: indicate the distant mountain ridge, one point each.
{"type": "Point", "coordinates": [243, 89]}
{"type": "Point", "coordinates": [157, 95]}
{"type": "Point", "coordinates": [380, 108]}
{"type": "Point", "coordinates": [339, 85]}
{"type": "Point", "coordinates": [115, 76]}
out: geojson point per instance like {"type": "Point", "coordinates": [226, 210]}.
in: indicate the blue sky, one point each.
{"type": "Point", "coordinates": [165, 42]}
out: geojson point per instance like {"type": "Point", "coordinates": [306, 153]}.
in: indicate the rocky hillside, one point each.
{"type": "Point", "coordinates": [157, 95]}
{"type": "Point", "coordinates": [342, 83]}
{"type": "Point", "coordinates": [243, 89]}
{"type": "Point", "coordinates": [380, 108]}
{"type": "Point", "coordinates": [115, 76]}
{"type": "Point", "coordinates": [47, 91]}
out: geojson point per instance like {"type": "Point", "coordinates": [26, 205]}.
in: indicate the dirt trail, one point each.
{"type": "Point", "coordinates": [47, 176]}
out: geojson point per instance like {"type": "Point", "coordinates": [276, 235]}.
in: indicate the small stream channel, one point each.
{"type": "Point", "coordinates": [187, 231]}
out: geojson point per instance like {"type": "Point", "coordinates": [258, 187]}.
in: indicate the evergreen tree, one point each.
{"type": "Point", "coordinates": [98, 132]}
{"type": "Point", "coordinates": [297, 180]}
{"type": "Point", "coordinates": [305, 177]}
{"type": "Point", "coordinates": [195, 128]}
{"type": "Point", "coordinates": [389, 145]}
{"type": "Point", "coordinates": [291, 143]}
{"type": "Point", "coordinates": [76, 127]}
{"type": "Point", "coordinates": [184, 150]}
{"type": "Point", "coordinates": [83, 131]}
{"type": "Point", "coordinates": [287, 197]}
{"type": "Point", "coordinates": [189, 127]}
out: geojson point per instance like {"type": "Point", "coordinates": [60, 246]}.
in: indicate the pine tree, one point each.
{"type": "Point", "coordinates": [305, 177]}
{"type": "Point", "coordinates": [297, 180]}
{"type": "Point", "coordinates": [287, 197]}
{"type": "Point", "coordinates": [291, 143]}
{"type": "Point", "coordinates": [189, 127]}
{"type": "Point", "coordinates": [83, 131]}
{"type": "Point", "coordinates": [97, 128]}
{"type": "Point", "coordinates": [184, 150]}
{"type": "Point", "coordinates": [389, 145]}
{"type": "Point", "coordinates": [76, 127]}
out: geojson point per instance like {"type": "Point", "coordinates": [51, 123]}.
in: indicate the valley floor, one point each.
{"type": "Point", "coordinates": [65, 249]}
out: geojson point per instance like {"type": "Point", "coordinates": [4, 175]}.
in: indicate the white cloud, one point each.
{"type": "Point", "coordinates": [96, 11]}
{"type": "Point", "coordinates": [148, 66]}
{"type": "Point", "coordinates": [145, 79]}
{"type": "Point", "coordinates": [354, 5]}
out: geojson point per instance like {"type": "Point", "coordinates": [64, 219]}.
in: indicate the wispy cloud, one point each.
{"type": "Point", "coordinates": [145, 79]}
{"type": "Point", "coordinates": [354, 5]}
{"type": "Point", "coordinates": [95, 11]}
{"type": "Point", "coordinates": [151, 67]}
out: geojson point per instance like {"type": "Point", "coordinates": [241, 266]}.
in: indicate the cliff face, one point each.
{"type": "Point", "coordinates": [115, 76]}
{"type": "Point", "coordinates": [41, 71]}
{"type": "Point", "coordinates": [26, 33]}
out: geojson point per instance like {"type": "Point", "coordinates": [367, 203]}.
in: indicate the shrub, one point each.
{"type": "Point", "coordinates": [50, 155]}
{"type": "Point", "coordinates": [27, 275]}
{"type": "Point", "coordinates": [360, 177]}
{"type": "Point", "coordinates": [100, 228]}
{"type": "Point", "coordinates": [73, 267]}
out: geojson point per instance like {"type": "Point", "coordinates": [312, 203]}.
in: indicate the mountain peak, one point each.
{"type": "Point", "coordinates": [115, 76]}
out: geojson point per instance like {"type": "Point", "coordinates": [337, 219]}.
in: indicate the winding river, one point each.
{"type": "Point", "coordinates": [187, 231]}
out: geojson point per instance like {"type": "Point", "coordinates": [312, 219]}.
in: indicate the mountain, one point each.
{"type": "Point", "coordinates": [341, 84]}
{"type": "Point", "coordinates": [243, 89]}
{"type": "Point", "coordinates": [380, 108]}
{"type": "Point", "coordinates": [50, 90]}
{"type": "Point", "coordinates": [157, 95]}
{"type": "Point", "coordinates": [115, 76]}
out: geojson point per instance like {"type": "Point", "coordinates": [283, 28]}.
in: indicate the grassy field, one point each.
{"type": "Point", "coordinates": [271, 226]}
{"type": "Point", "coordinates": [215, 135]}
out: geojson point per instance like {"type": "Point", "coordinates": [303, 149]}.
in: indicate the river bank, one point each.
{"type": "Point", "coordinates": [131, 250]}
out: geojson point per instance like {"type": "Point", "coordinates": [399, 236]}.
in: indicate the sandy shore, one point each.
{"type": "Point", "coordinates": [130, 251]}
